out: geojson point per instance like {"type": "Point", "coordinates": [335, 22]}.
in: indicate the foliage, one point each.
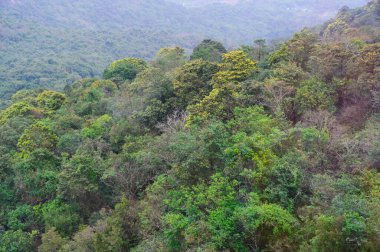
{"type": "Point", "coordinates": [51, 241]}
{"type": "Point", "coordinates": [235, 67]}
{"type": "Point", "coordinates": [263, 224]}
{"type": "Point", "coordinates": [193, 81]}
{"type": "Point", "coordinates": [209, 50]}
{"type": "Point", "coordinates": [80, 178]}
{"type": "Point", "coordinates": [97, 128]}
{"type": "Point", "coordinates": [206, 210]}
{"type": "Point", "coordinates": [50, 100]}
{"type": "Point", "coordinates": [60, 216]}
{"type": "Point", "coordinates": [169, 58]}
{"type": "Point", "coordinates": [17, 109]}
{"type": "Point", "coordinates": [42, 47]}
{"type": "Point", "coordinates": [36, 137]}
{"type": "Point", "coordinates": [314, 94]}
{"type": "Point", "coordinates": [124, 69]}
{"type": "Point", "coordinates": [16, 241]}
{"type": "Point", "coordinates": [23, 218]}
{"type": "Point", "coordinates": [246, 150]}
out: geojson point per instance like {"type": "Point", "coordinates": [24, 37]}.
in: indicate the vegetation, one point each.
{"type": "Point", "coordinates": [242, 150]}
{"type": "Point", "coordinates": [49, 44]}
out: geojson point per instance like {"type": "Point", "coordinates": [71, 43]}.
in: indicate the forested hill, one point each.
{"type": "Point", "coordinates": [51, 43]}
{"type": "Point", "coordinates": [247, 149]}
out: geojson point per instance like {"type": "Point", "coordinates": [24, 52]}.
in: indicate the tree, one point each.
{"type": "Point", "coordinates": [150, 84]}
{"type": "Point", "coordinates": [148, 100]}
{"type": "Point", "coordinates": [80, 179]}
{"type": "Point", "coordinates": [61, 217]}
{"type": "Point", "coordinates": [209, 50]}
{"type": "Point", "coordinates": [298, 50]}
{"type": "Point", "coordinates": [11, 131]}
{"type": "Point", "coordinates": [193, 81]}
{"type": "Point", "coordinates": [36, 165]}
{"type": "Point", "coordinates": [23, 218]}
{"type": "Point", "coordinates": [16, 241]}
{"type": "Point", "coordinates": [35, 175]}
{"type": "Point", "coordinates": [98, 90]}
{"type": "Point", "coordinates": [150, 97]}
{"type": "Point", "coordinates": [51, 241]}
{"type": "Point", "coordinates": [17, 109]}
{"type": "Point", "coordinates": [167, 59]}
{"type": "Point", "coordinates": [265, 226]}
{"type": "Point", "coordinates": [235, 67]}
{"type": "Point", "coordinates": [202, 216]}
{"type": "Point", "coordinates": [38, 136]}
{"type": "Point", "coordinates": [50, 100]}
{"type": "Point", "coordinates": [290, 73]}
{"type": "Point", "coordinates": [313, 95]}
{"type": "Point", "coordinates": [252, 150]}
{"type": "Point", "coordinates": [284, 182]}
{"type": "Point", "coordinates": [124, 70]}
{"type": "Point", "coordinates": [330, 61]}
{"type": "Point", "coordinates": [217, 105]}
{"type": "Point", "coordinates": [121, 231]}
{"type": "Point", "coordinates": [258, 51]}
{"type": "Point", "coordinates": [98, 127]}
{"type": "Point", "coordinates": [278, 95]}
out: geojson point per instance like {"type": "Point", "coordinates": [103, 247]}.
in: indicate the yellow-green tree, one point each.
{"type": "Point", "coordinates": [235, 67]}
{"type": "Point", "coordinates": [50, 100]}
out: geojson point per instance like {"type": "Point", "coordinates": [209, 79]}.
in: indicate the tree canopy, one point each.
{"type": "Point", "coordinates": [262, 149]}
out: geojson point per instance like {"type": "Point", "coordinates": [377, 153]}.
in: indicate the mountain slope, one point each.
{"type": "Point", "coordinates": [234, 150]}
{"type": "Point", "coordinates": [42, 39]}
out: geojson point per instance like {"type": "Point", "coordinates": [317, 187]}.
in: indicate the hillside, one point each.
{"type": "Point", "coordinates": [246, 149]}
{"type": "Point", "coordinates": [42, 40]}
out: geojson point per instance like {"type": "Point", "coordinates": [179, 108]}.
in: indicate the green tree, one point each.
{"type": "Point", "coordinates": [80, 179]}
{"type": "Point", "coordinates": [298, 49]}
{"type": "Point", "coordinates": [313, 95]}
{"type": "Point", "coordinates": [38, 136]}
{"type": "Point", "coordinates": [217, 105]}
{"type": "Point", "coordinates": [193, 81]}
{"type": "Point", "coordinates": [50, 100]}
{"type": "Point", "coordinates": [16, 109]}
{"type": "Point", "coordinates": [252, 150]}
{"type": "Point", "coordinates": [35, 175]}
{"type": "Point", "coordinates": [168, 59]}
{"type": "Point", "coordinates": [60, 216]}
{"type": "Point", "coordinates": [258, 52]}
{"type": "Point", "coordinates": [209, 50]}
{"type": "Point", "coordinates": [124, 69]}
{"type": "Point", "coordinates": [202, 216]}
{"type": "Point", "coordinates": [121, 232]}
{"type": "Point", "coordinates": [98, 127]}
{"type": "Point", "coordinates": [23, 218]}
{"type": "Point", "coordinates": [150, 96]}
{"type": "Point", "coordinates": [16, 241]}
{"type": "Point", "coordinates": [265, 226]}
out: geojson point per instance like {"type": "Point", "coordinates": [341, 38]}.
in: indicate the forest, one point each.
{"type": "Point", "coordinates": [52, 43]}
{"type": "Point", "coordinates": [258, 148]}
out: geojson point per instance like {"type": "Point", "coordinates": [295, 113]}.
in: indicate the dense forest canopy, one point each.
{"type": "Point", "coordinates": [51, 43]}
{"type": "Point", "coordinates": [250, 149]}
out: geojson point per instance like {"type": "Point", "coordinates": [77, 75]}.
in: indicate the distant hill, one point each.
{"type": "Point", "coordinates": [361, 23]}
{"type": "Point", "coordinates": [51, 43]}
